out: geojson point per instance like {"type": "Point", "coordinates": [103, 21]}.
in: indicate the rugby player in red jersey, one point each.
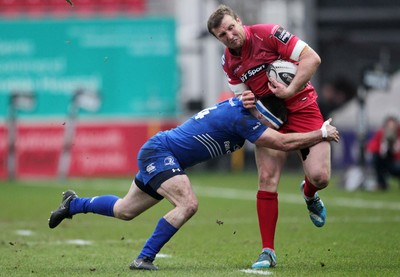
{"type": "Point", "coordinates": [249, 50]}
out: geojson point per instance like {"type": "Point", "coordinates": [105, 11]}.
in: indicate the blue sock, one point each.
{"type": "Point", "coordinates": [103, 205]}
{"type": "Point", "coordinates": [161, 235]}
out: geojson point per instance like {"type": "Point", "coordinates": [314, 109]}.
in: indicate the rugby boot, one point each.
{"type": "Point", "coordinates": [266, 259]}
{"type": "Point", "coordinates": [316, 208]}
{"type": "Point", "coordinates": [63, 210]}
{"type": "Point", "coordinates": [143, 264]}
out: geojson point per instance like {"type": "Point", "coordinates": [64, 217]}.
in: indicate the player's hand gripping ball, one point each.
{"type": "Point", "coordinates": [282, 71]}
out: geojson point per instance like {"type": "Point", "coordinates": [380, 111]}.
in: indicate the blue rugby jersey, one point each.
{"type": "Point", "coordinates": [213, 132]}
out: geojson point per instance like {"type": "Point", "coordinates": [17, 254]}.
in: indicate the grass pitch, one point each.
{"type": "Point", "coordinates": [361, 236]}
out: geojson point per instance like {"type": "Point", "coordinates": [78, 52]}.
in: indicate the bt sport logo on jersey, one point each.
{"type": "Point", "coordinates": [252, 72]}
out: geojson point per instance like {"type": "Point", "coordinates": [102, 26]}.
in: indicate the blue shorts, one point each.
{"type": "Point", "coordinates": [156, 165]}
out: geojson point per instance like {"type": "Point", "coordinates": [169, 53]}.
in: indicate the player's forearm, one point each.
{"type": "Point", "coordinates": [289, 142]}
{"type": "Point", "coordinates": [295, 141]}
{"type": "Point", "coordinates": [309, 63]}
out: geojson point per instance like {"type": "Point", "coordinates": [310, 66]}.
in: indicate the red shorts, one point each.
{"type": "Point", "coordinates": [305, 120]}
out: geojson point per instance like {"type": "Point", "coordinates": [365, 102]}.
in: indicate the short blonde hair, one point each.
{"type": "Point", "coordinates": [215, 19]}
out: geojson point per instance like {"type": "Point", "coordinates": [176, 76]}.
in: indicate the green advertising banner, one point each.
{"type": "Point", "coordinates": [130, 63]}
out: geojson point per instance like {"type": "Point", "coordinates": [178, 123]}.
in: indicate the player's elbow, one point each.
{"type": "Point", "coordinates": [286, 147]}
{"type": "Point", "coordinates": [278, 143]}
{"type": "Point", "coordinates": [285, 144]}
{"type": "Point", "coordinates": [314, 60]}
{"type": "Point", "coordinates": [317, 61]}
{"type": "Point", "coordinates": [274, 140]}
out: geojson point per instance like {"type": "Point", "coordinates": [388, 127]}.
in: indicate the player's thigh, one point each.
{"type": "Point", "coordinates": [317, 165]}
{"type": "Point", "coordinates": [269, 165]}
{"type": "Point", "coordinates": [134, 203]}
{"type": "Point", "coordinates": [178, 190]}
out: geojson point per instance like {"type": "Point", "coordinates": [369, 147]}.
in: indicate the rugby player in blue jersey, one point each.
{"type": "Point", "coordinates": [213, 132]}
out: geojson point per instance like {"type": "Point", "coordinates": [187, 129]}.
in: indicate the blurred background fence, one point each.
{"type": "Point", "coordinates": [83, 86]}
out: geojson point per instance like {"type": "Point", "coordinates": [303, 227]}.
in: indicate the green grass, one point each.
{"type": "Point", "coordinates": [361, 237]}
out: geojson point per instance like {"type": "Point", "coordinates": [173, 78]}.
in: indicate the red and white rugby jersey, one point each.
{"type": "Point", "coordinates": [264, 44]}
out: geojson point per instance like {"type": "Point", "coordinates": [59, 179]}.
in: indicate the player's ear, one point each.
{"type": "Point", "coordinates": [259, 115]}
{"type": "Point", "coordinates": [269, 125]}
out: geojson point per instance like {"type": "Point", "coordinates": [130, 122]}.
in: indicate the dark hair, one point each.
{"type": "Point", "coordinates": [275, 105]}
{"type": "Point", "coordinates": [390, 118]}
{"type": "Point", "coordinates": [215, 19]}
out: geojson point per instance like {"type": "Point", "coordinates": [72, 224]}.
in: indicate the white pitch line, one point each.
{"type": "Point", "coordinates": [243, 194]}
{"type": "Point", "coordinates": [360, 203]}
{"type": "Point", "coordinates": [79, 242]}
{"type": "Point", "coordinates": [255, 271]}
{"type": "Point", "coordinates": [228, 193]}
{"type": "Point", "coordinates": [25, 233]}
{"type": "Point", "coordinates": [161, 255]}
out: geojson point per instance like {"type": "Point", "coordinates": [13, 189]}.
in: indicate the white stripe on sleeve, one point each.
{"type": "Point", "coordinates": [300, 45]}
{"type": "Point", "coordinates": [238, 89]}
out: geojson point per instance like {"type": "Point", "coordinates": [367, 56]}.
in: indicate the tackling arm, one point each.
{"type": "Point", "coordinates": [295, 141]}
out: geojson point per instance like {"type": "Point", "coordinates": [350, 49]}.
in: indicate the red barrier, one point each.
{"type": "Point", "coordinates": [106, 149]}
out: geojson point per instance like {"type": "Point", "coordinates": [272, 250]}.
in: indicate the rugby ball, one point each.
{"type": "Point", "coordinates": [282, 71]}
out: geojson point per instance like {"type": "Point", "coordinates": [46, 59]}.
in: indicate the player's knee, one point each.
{"type": "Point", "coordinates": [320, 180]}
{"type": "Point", "coordinates": [192, 207]}
{"type": "Point", "coordinates": [267, 182]}
{"type": "Point", "coordinates": [124, 213]}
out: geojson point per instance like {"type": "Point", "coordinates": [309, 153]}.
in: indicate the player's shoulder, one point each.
{"type": "Point", "coordinates": [270, 31]}
{"type": "Point", "coordinates": [231, 107]}
{"type": "Point", "coordinates": [230, 103]}
{"type": "Point", "coordinates": [266, 29]}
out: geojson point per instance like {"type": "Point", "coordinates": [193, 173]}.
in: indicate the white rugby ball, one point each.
{"type": "Point", "coordinates": [282, 71]}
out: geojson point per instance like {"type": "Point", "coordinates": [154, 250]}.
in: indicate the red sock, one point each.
{"type": "Point", "coordinates": [267, 211]}
{"type": "Point", "coordinates": [309, 189]}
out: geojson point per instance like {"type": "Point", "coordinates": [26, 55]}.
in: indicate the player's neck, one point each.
{"type": "Point", "coordinates": [235, 52]}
